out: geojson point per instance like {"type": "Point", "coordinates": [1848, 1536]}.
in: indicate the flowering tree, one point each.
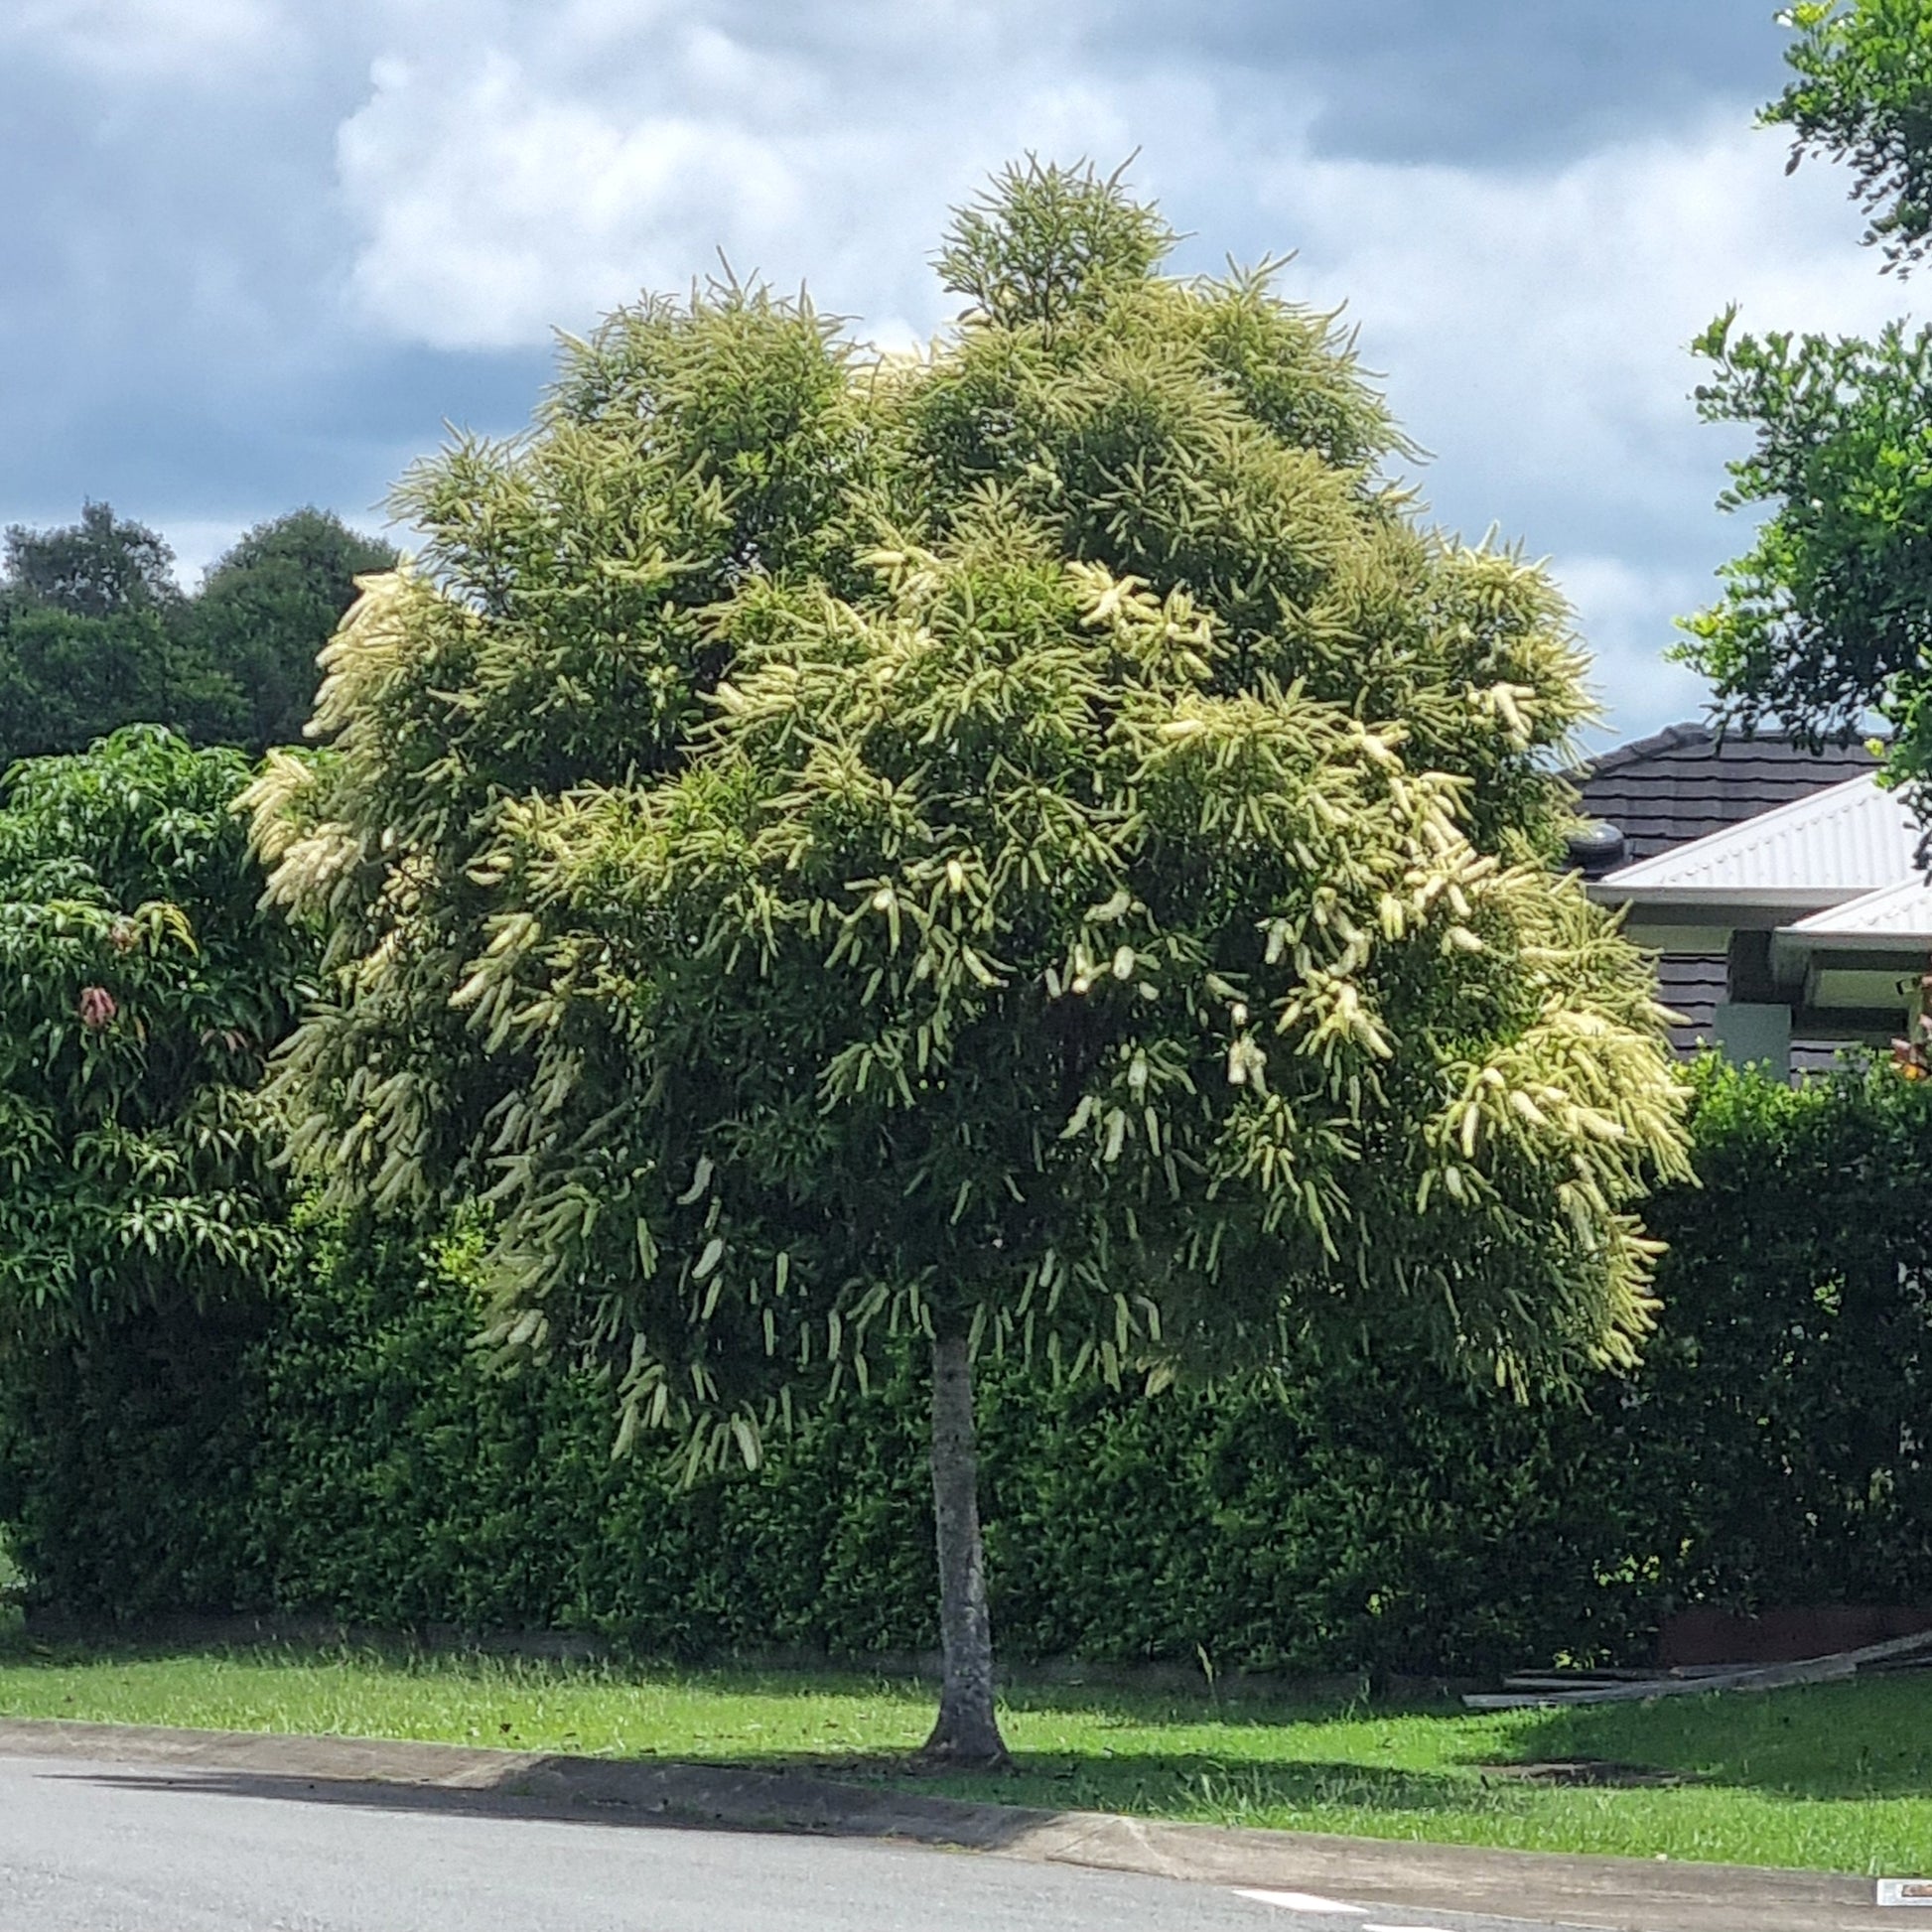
{"type": "Point", "coordinates": [1030, 846]}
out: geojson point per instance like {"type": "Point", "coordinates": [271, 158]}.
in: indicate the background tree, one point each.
{"type": "Point", "coordinates": [269, 605]}
{"type": "Point", "coordinates": [141, 989]}
{"type": "Point", "coordinates": [1861, 95]}
{"type": "Point", "coordinates": [95, 633]}
{"type": "Point", "coordinates": [102, 567]}
{"type": "Point", "coordinates": [67, 680]}
{"type": "Point", "coordinates": [95, 636]}
{"type": "Point", "coordinates": [1825, 622]}
{"type": "Point", "coordinates": [1030, 847]}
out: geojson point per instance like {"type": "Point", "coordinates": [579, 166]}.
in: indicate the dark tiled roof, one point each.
{"type": "Point", "coordinates": [1678, 786]}
{"type": "Point", "coordinates": [1693, 984]}
{"type": "Point", "coordinates": [1686, 781]}
{"type": "Point", "coordinates": [1690, 984]}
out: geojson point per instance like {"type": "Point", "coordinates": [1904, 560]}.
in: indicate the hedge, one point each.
{"type": "Point", "coordinates": [339, 1450]}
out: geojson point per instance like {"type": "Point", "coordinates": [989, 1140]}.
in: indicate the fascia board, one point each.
{"type": "Point", "coordinates": [1726, 899]}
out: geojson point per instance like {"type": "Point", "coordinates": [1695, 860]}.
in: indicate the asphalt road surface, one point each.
{"type": "Point", "coordinates": [107, 1847]}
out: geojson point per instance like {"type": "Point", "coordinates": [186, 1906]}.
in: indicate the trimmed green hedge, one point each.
{"type": "Point", "coordinates": [1781, 1425]}
{"type": "Point", "coordinates": [341, 1450]}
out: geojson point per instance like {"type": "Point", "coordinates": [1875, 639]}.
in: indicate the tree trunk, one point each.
{"type": "Point", "coordinates": [968, 1730]}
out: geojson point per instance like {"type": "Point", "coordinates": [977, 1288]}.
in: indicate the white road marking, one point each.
{"type": "Point", "coordinates": [1372, 1927]}
{"type": "Point", "coordinates": [1302, 1901]}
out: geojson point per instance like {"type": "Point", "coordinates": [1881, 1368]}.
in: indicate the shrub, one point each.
{"type": "Point", "coordinates": [346, 1451]}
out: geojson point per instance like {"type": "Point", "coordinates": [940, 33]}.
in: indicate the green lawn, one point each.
{"type": "Point", "coordinates": [1837, 1778]}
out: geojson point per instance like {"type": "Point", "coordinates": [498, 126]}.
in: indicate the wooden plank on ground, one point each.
{"type": "Point", "coordinates": [1757, 1677]}
{"type": "Point", "coordinates": [1572, 1680]}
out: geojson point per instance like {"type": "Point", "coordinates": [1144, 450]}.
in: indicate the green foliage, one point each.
{"type": "Point", "coordinates": [360, 1459]}
{"type": "Point", "coordinates": [1044, 245]}
{"type": "Point", "coordinates": [67, 680]}
{"type": "Point", "coordinates": [104, 566]}
{"type": "Point", "coordinates": [1784, 1422]}
{"type": "Point", "coordinates": [141, 990]}
{"type": "Point", "coordinates": [95, 633]}
{"type": "Point", "coordinates": [1031, 842]}
{"type": "Point", "coordinates": [93, 637]}
{"type": "Point", "coordinates": [346, 1451]}
{"type": "Point", "coordinates": [128, 1459]}
{"type": "Point", "coordinates": [269, 605]}
{"type": "Point", "coordinates": [1824, 622]}
{"type": "Point", "coordinates": [1863, 96]}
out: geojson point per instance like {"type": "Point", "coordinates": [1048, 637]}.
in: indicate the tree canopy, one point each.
{"type": "Point", "coordinates": [104, 566]}
{"type": "Point", "coordinates": [141, 991]}
{"type": "Point", "coordinates": [96, 633]}
{"type": "Point", "coordinates": [269, 605]}
{"type": "Point", "coordinates": [1824, 622]}
{"type": "Point", "coordinates": [91, 637]}
{"type": "Point", "coordinates": [1863, 95]}
{"type": "Point", "coordinates": [67, 680]}
{"type": "Point", "coordinates": [1032, 845]}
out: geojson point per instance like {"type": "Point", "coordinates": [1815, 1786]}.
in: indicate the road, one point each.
{"type": "Point", "coordinates": [113, 1848]}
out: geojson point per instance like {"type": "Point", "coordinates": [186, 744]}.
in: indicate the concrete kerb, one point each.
{"type": "Point", "coordinates": [1605, 1894]}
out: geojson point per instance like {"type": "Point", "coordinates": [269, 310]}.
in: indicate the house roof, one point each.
{"type": "Point", "coordinates": [1688, 781]}
{"type": "Point", "coordinates": [1814, 852]}
{"type": "Point", "coordinates": [1703, 834]}
{"type": "Point", "coordinates": [1690, 986]}
{"type": "Point", "coordinates": [1898, 917]}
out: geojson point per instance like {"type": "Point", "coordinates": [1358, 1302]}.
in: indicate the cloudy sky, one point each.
{"type": "Point", "coordinates": [260, 252]}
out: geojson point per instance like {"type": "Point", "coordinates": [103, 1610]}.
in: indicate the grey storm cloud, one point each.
{"type": "Point", "coordinates": [258, 252]}
{"type": "Point", "coordinates": [1481, 80]}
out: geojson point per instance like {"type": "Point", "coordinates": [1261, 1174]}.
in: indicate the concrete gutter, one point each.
{"type": "Point", "coordinates": [1608, 1894]}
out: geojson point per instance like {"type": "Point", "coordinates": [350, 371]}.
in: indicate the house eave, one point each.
{"type": "Point", "coordinates": [1910, 946]}
{"type": "Point", "coordinates": [1730, 900]}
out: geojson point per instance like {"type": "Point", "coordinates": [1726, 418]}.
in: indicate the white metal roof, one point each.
{"type": "Point", "coordinates": [1819, 851]}
{"type": "Point", "coordinates": [1899, 916]}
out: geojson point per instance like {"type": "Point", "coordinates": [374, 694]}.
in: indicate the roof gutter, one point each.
{"type": "Point", "coordinates": [1722, 898]}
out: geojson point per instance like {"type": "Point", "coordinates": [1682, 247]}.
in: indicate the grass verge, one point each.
{"type": "Point", "coordinates": [1834, 1778]}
